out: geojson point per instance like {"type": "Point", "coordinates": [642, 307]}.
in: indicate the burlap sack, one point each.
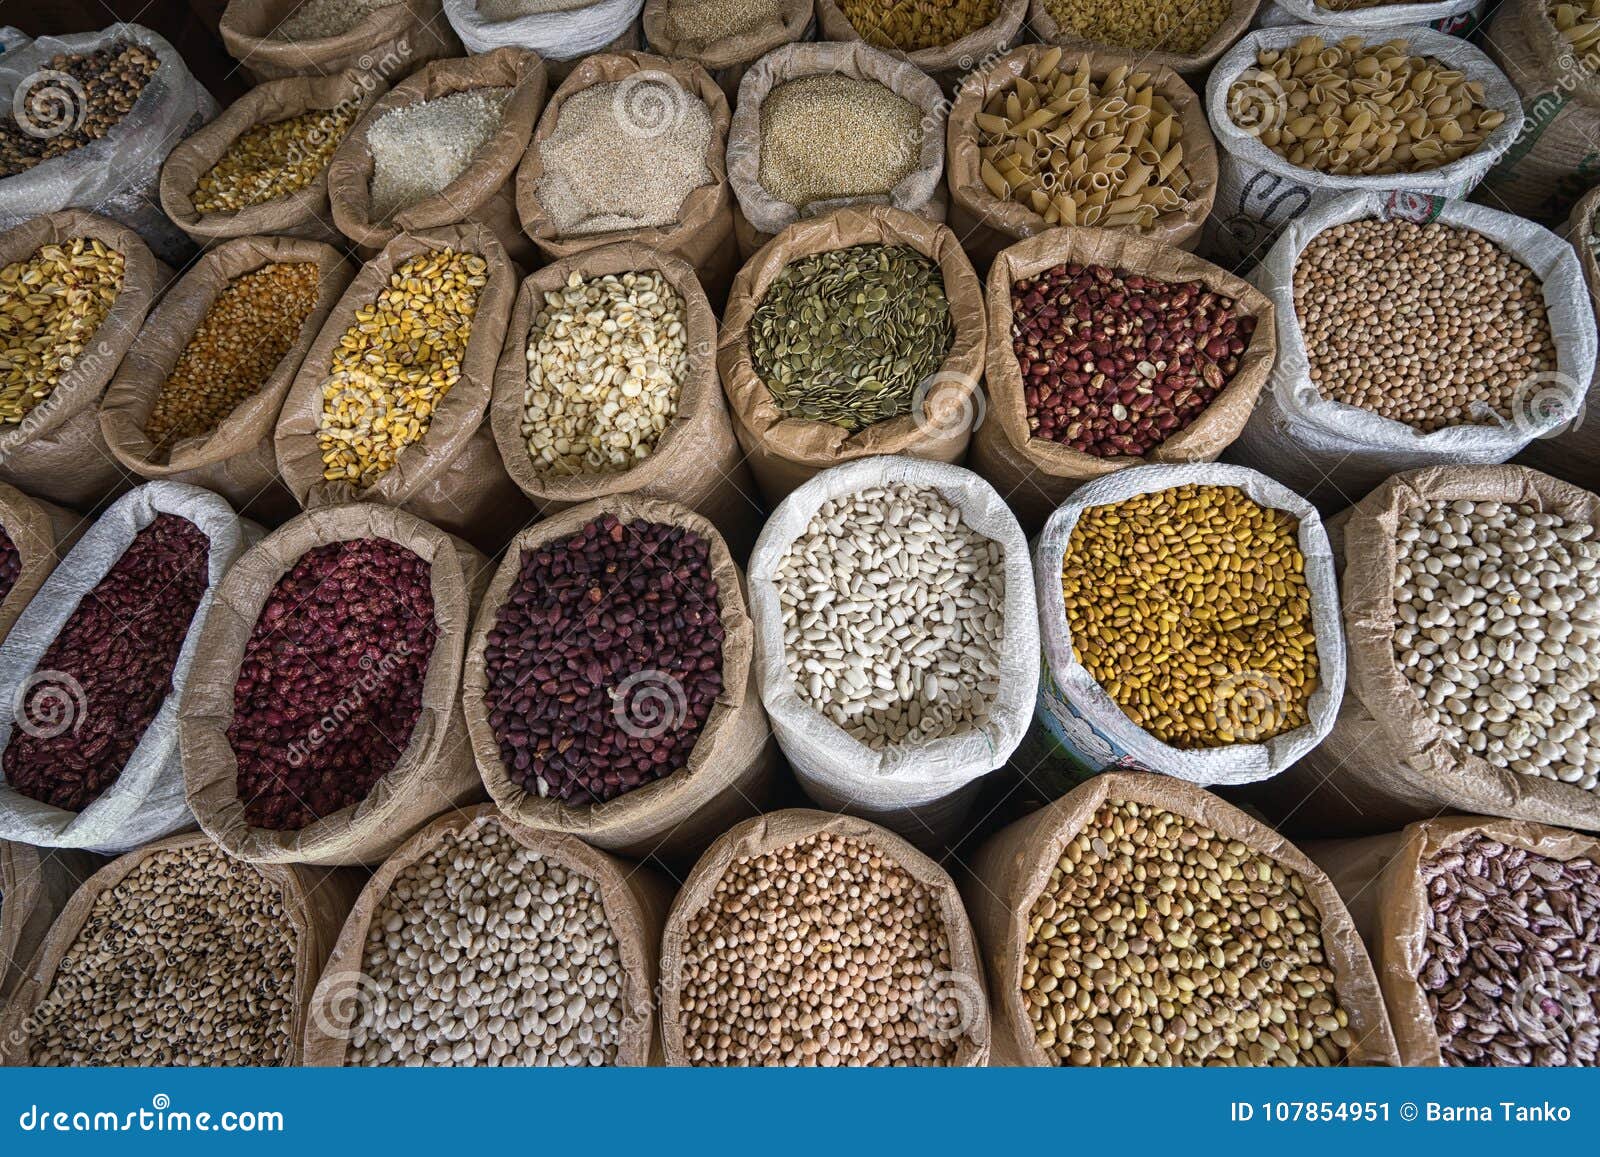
{"type": "Point", "coordinates": [961, 981]}
{"type": "Point", "coordinates": [35, 884]}
{"type": "Point", "coordinates": [452, 476]}
{"type": "Point", "coordinates": [784, 452]}
{"type": "Point", "coordinates": [1010, 871]}
{"type": "Point", "coordinates": [303, 213]}
{"type": "Point", "coordinates": [1380, 879]}
{"type": "Point", "coordinates": [947, 63]}
{"type": "Point", "coordinates": [703, 233]}
{"type": "Point", "coordinates": [727, 58]}
{"type": "Point", "coordinates": [1386, 763]}
{"type": "Point", "coordinates": [315, 903]}
{"type": "Point", "coordinates": [697, 463]}
{"type": "Point", "coordinates": [57, 451]}
{"type": "Point", "coordinates": [485, 193]}
{"type": "Point", "coordinates": [986, 224]}
{"type": "Point", "coordinates": [1036, 475]}
{"type": "Point", "coordinates": [42, 532]}
{"type": "Point", "coordinates": [1191, 66]}
{"type": "Point", "coordinates": [762, 217]}
{"type": "Point", "coordinates": [236, 459]}
{"type": "Point", "coordinates": [434, 772]}
{"type": "Point", "coordinates": [394, 40]}
{"type": "Point", "coordinates": [634, 897]}
{"type": "Point", "coordinates": [733, 766]}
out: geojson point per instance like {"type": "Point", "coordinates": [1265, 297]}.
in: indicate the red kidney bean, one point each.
{"type": "Point", "coordinates": [605, 659]}
{"type": "Point", "coordinates": [330, 686]}
{"type": "Point", "coordinates": [1115, 363]}
{"type": "Point", "coordinates": [10, 564]}
{"type": "Point", "coordinates": [104, 677]}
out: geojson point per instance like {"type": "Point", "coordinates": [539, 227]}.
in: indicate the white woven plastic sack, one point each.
{"type": "Point", "coordinates": [576, 30]}
{"type": "Point", "coordinates": [147, 800]}
{"type": "Point", "coordinates": [1337, 453]}
{"type": "Point", "coordinates": [1258, 192]}
{"type": "Point", "coordinates": [1454, 17]}
{"type": "Point", "coordinates": [922, 790]}
{"type": "Point", "coordinates": [117, 176]}
{"type": "Point", "coordinates": [1086, 721]}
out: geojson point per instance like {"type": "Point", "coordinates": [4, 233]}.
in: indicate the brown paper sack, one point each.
{"type": "Point", "coordinates": [733, 766]}
{"type": "Point", "coordinates": [236, 460]}
{"type": "Point", "coordinates": [394, 40]}
{"type": "Point", "coordinates": [946, 63]}
{"type": "Point", "coordinates": [315, 904]}
{"type": "Point", "coordinates": [1192, 66]}
{"type": "Point", "coordinates": [1386, 762]}
{"type": "Point", "coordinates": [962, 981]}
{"type": "Point", "coordinates": [1011, 869]}
{"type": "Point", "coordinates": [452, 476]}
{"type": "Point", "coordinates": [785, 452]}
{"type": "Point", "coordinates": [484, 193]}
{"type": "Point", "coordinates": [697, 463]}
{"type": "Point", "coordinates": [1380, 878]}
{"type": "Point", "coordinates": [988, 224]}
{"type": "Point", "coordinates": [42, 533]}
{"type": "Point", "coordinates": [434, 772]}
{"type": "Point", "coordinates": [635, 900]}
{"type": "Point", "coordinates": [303, 213]}
{"type": "Point", "coordinates": [1036, 475]}
{"type": "Point", "coordinates": [35, 884]}
{"type": "Point", "coordinates": [57, 451]}
{"type": "Point", "coordinates": [703, 233]}
{"type": "Point", "coordinates": [726, 58]}
{"type": "Point", "coordinates": [761, 216]}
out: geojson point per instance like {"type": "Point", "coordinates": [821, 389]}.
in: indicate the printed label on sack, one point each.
{"type": "Point", "coordinates": [1080, 740]}
{"type": "Point", "coordinates": [1418, 208]}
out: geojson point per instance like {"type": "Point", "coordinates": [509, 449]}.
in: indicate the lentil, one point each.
{"type": "Point", "coordinates": [1511, 954]}
{"type": "Point", "coordinates": [607, 358]}
{"type": "Point", "coordinates": [268, 161]}
{"type": "Point", "coordinates": [101, 681]}
{"type": "Point", "coordinates": [1430, 325]}
{"type": "Point", "coordinates": [1498, 609]}
{"type": "Point", "coordinates": [319, 19]}
{"type": "Point", "coordinates": [1165, 26]}
{"type": "Point", "coordinates": [893, 616]}
{"type": "Point", "coordinates": [913, 27]}
{"type": "Point", "coordinates": [72, 100]}
{"type": "Point", "coordinates": [10, 564]}
{"type": "Point", "coordinates": [847, 336]}
{"type": "Point", "coordinates": [1351, 108]}
{"type": "Point", "coordinates": [189, 960]}
{"type": "Point", "coordinates": [815, 954]}
{"type": "Point", "coordinates": [51, 304]}
{"type": "Point", "coordinates": [485, 953]}
{"type": "Point", "coordinates": [704, 22]}
{"type": "Point", "coordinates": [1114, 362]}
{"type": "Point", "coordinates": [234, 350]}
{"type": "Point", "coordinates": [330, 683]}
{"type": "Point", "coordinates": [625, 155]}
{"type": "Point", "coordinates": [832, 137]}
{"type": "Point", "coordinates": [1159, 941]}
{"type": "Point", "coordinates": [396, 362]}
{"type": "Point", "coordinates": [419, 149]}
{"type": "Point", "coordinates": [1190, 607]}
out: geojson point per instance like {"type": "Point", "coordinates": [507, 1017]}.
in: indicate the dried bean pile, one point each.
{"type": "Point", "coordinates": [330, 685]}
{"type": "Point", "coordinates": [1430, 325]}
{"type": "Point", "coordinates": [1190, 607]}
{"type": "Point", "coordinates": [913, 27]}
{"type": "Point", "coordinates": [50, 306]}
{"type": "Point", "coordinates": [10, 564]}
{"type": "Point", "coordinates": [1115, 363]}
{"type": "Point", "coordinates": [484, 953]}
{"type": "Point", "coordinates": [605, 660]}
{"type": "Point", "coordinates": [848, 336]}
{"type": "Point", "coordinates": [419, 149]}
{"type": "Point", "coordinates": [1499, 617]}
{"type": "Point", "coordinates": [893, 616]}
{"type": "Point", "coordinates": [1158, 941]}
{"type": "Point", "coordinates": [70, 101]}
{"type": "Point", "coordinates": [233, 351]}
{"type": "Point", "coordinates": [190, 960]}
{"type": "Point", "coordinates": [825, 952]}
{"type": "Point", "coordinates": [1511, 963]}
{"type": "Point", "coordinates": [101, 681]}
{"type": "Point", "coordinates": [1177, 26]}
{"type": "Point", "coordinates": [319, 19]}
{"type": "Point", "coordinates": [273, 160]}
{"type": "Point", "coordinates": [830, 137]}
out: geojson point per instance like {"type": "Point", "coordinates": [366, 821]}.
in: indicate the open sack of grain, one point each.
{"type": "Point", "coordinates": [725, 37]}
{"type": "Point", "coordinates": [276, 38]}
{"type": "Point", "coordinates": [943, 40]}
